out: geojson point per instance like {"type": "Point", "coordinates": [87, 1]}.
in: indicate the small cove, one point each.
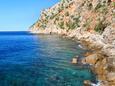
{"type": "Point", "coordinates": [40, 60]}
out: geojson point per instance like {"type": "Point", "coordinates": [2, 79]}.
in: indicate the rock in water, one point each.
{"type": "Point", "coordinates": [87, 83]}
{"type": "Point", "coordinates": [74, 60]}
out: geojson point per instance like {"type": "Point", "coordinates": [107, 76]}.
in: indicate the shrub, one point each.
{"type": "Point", "coordinates": [61, 25]}
{"type": "Point", "coordinates": [90, 6]}
{"type": "Point", "coordinates": [101, 8]}
{"type": "Point", "coordinates": [76, 19]}
{"type": "Point", "coordinates": [87, 23]}
{"type": "Point", "coordinates": [67, 14]}
{"type": "Point", "coordinates": [74, 22]}
{"type": "Point", "coordinates": [53, 16]}
{"type": "Point", "coordinates": [113, 4]}
{"type": "Point", "coordinates": [57, 18]}
{"type": "Point", "coordinates": [100, 27]}
{"type": "Point", "coordinates": [43, 26]}
{"type": "Point", "coordinates": [114, 15]}
{"type": "Point", "coordinates": [72, 25]}
{"type": "Point", "coordinates": [98, 6]}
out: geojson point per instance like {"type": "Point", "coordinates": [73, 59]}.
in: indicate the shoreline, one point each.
{"type": "Point", "coordinates": [95, 42]}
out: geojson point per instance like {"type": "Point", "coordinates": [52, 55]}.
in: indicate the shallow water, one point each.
{"type": "Point", "coordinates": [40, 60]}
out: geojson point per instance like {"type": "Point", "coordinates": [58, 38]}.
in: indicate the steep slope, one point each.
{"type": "Point", "coordinates": [71, 14]}
{"type": "Point", "coordinates": [90, 21]}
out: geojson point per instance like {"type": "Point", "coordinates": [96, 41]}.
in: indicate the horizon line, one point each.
{"type": "Point", "coordinates": [14, 31]}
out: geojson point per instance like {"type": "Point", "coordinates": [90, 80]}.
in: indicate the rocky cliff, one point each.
{"type": "Point", "coordinates": [90, 21]}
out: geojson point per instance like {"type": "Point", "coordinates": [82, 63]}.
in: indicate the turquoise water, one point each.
{"type": "Point", "coordinates": [40, 60]}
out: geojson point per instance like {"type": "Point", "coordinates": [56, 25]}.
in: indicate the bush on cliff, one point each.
{"type": "Point", "coordinates": [100, 27]}
{"type": "Point", "coordinates": [61, 25]}
{"type": "Point", "coordinates": [101, 8]}
{"type": "Point", "coordinates": [87, 23]}
{"type": "Point", "coordinates": [71, 25]}
{"type": "Point", "coordinates": [113, 4]}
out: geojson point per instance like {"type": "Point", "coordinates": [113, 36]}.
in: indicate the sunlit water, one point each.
{"type": "Point", "coordinates": [40, 60]}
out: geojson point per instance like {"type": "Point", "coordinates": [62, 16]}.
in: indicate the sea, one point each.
{"type": "Point", "coordinates": [40, 60]}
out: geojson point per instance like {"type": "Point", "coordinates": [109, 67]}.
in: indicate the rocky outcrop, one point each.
{"type": "Point", "coordinates": [92, 23]}
{"type": "Point", "coordinates": [109, 34]}
{"type": "Point", "coordinates": [103, 60]}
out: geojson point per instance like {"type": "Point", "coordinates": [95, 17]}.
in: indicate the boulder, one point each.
{"type": "Point", "coordinates": [101, 69]}
{"type": "Point", "coordinates": [87, 83]}
{"type": "Point", "coordinates": [91, 59]}
{"type": "Point", "coordinates": [74, 61]}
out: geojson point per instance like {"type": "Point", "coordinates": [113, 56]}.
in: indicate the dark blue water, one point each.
{"type": "Point", "coordinates": [40, 60]}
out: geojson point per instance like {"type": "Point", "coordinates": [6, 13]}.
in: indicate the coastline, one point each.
{"type": "Point", "coordinates": [92, 22]}
{"type": "Point", "coordinates": [95, 42]}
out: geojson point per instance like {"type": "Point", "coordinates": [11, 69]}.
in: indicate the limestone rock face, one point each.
{"type": "Point", "coordinates": [109, 34]}
{"type": "Point", "coordinates": [89, 21]}
{"type": "Point", "coordinates": [72, 14]}
{"type": "Point", "coordinates": [100, 69]}
{"type": "Point", "coordinates": [109, 49]}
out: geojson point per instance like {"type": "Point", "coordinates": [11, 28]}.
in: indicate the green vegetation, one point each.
{"type": "Point", "coordinates": [53, 16]}
{"type": "Point", "coordinates": [63, 1]}
{"type": "Point", "coordinates": [87, 23]}
{"type": "Point", "coordinates": [57, 18]}
{"type": "Point", "coordinates": [101, 8]}
{"type": "Point", "coordinates": [89, 5]}
{"type": "Point", "coordinates": [100, 27]}
{"type": "Point", "coordinates": [60, 8]}
{"type": "Point", "coordinates": [73, 22]}
{"type": "Point", "coordinates": [67, 14]}
{"type": "Point", "coordinates": [76, 18]}
{"type": "Point", "coordinates": [71, 25]}
{"type": "Point", "coordinates": [43, 26]}
{"type": "Point", "coordinates": [114, 15]}
{"type": "Point", "coordinates": [113, 4]}
{"type": "Point", "coordinates": [47, 17]}
{"type": "Point", "coordinates": [61, 25]}
{"type": "Point", "coordinates": [98, 6]}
